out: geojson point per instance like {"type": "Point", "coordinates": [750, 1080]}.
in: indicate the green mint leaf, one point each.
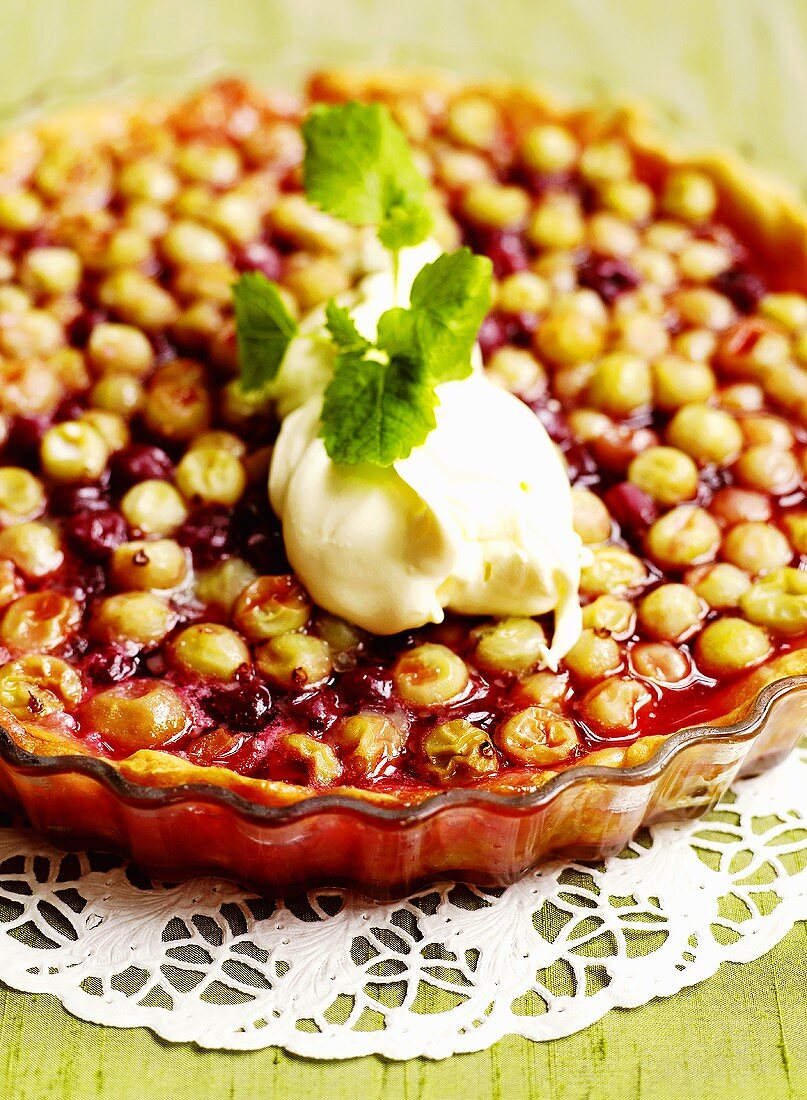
{"type": "Point", "coordinates": [405, 226]}
{"type": "Point", "coordinates": [359, 167]}
{"type": "Point", "coordinates": [398, 335]}
{"type": "Point", "coordinates": [376, 412]}
{"type": "Point", "coordinates": [405, 332]}
{"type": "Point", "coordinates": [264, 329]}
{"type": "Point", "coordinates": [343, 332]}
{"type": "Point", "coordinates": [449, 299]}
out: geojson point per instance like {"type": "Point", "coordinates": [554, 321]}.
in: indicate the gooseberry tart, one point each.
{"type": "Point", "coordinates": [167, 686]}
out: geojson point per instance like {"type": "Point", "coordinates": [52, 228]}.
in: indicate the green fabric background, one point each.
{"type": "Point", "coordinates": [741, 1034]}
{"type": "Point", "coordinates": [728, 70]}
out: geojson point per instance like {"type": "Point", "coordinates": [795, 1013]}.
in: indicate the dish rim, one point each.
{"type": "Point", "coordinates": [147, 797]}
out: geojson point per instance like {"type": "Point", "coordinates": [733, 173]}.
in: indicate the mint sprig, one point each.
{"type": "Point", "coordinates": [381, 399]}
{"type": "Point", "coordinates": [359, 167]}
{"type": "Point", "coordinates": [264, 329]}
{"type": "Point", "coordinates": [405, 226]}
{"type": "Point", "coordinates": [449, 300]}
{"type": "Point", "coordinates": [378, 411]}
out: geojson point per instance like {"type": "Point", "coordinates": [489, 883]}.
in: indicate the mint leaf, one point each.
{"type": "Point", "coordinates": [376, 412]}
{"type": "Point", "coordinates": [449, 299]}
{"type": "Point", "coordinates": [343, 332]}
{"type": "Point", "coordinates": [359, 167]}
{"type": "Point", "coordinates": [397, 334]}
{"type": "Point", "coordinates": [264, 329]}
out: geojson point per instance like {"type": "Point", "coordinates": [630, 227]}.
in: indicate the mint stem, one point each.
{"type": "Point", "coordinates": [396, 267]}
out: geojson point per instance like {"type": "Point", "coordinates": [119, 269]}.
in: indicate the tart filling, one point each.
{"type": "Point", "coordinates": [649, 318]}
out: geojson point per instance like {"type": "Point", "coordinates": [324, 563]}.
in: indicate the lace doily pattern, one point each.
{"type": "Point", "coordinates": [451, 968]}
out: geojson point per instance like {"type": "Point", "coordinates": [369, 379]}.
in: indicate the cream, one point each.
{"type": "Point", "coordinates": [476, 520]}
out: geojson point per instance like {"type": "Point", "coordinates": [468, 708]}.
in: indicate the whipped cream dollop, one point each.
{"type": "Point", "coordinates": [477, 520]}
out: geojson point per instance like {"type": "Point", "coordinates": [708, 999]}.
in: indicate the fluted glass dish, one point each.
{"type": "Point", "coordinates": [191, 829]}
{"type": "Point", "coordinates": [586, 813]}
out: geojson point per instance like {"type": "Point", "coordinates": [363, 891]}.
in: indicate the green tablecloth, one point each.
{"type": "Point", "coordinates": [734, 70]}
{"type": "Point", "coordinates": [741, 1034]}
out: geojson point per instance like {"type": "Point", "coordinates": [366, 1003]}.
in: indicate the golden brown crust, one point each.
{"type": "Point", "coordinates": [766, 213]}
{"type": "Point", "coordinates": [741, 698]}
{"type": "Point", "coordinates": [151, 768]}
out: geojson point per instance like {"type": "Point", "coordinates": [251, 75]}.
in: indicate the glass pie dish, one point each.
{"type": "Point", "coordinates": [124, 720]}
{"type": "Point", "coordinates": [175, 829]}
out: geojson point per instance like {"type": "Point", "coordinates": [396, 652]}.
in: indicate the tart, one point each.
{"type": "Point", "coordinates": [168, 686]}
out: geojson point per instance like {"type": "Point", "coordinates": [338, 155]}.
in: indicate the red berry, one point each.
{"type": "Point", "coordinates": [81, 326]}
{"type": "Point", "coordinates": [65, 500]}
{"type": "Point", "coordinates": [607, 276]}
{"type": "Point", "coordinates": [742, 287]}
{"type": "Point", "coordinates": [82, 580]}
{"type": "Point", "coordinates": [70, 409]}
{"type": "Point", "coordinates": [615, 449]}
{"type": "Point", "coordinates": [246, 709]}
{"type": "Point", "coordinates": [22, 445]}
{"type": "Point", "coordinates": [631, 507]}
{"type": "Point", "coordinates": [140, 462]}
{"type": "Point", "coordinates": [95, 535]}
{"type": "Point", "coordinates": [508, 254]}
{"type": "Point", "coordinates": [109, 665]}
{"type": "Point", "coordinates": [492, 334]}
{"type": "Point", "coordinates": [261, 257]}
{"type": "Point", "coordinates": [319, 710]}
{"type": "Point", "coordinates": [208, 535]}
{"type": "Point", "coordinates": [367, 686]}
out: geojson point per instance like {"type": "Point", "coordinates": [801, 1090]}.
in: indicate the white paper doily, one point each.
{"type": "Point", "coordinates": [450, 969]}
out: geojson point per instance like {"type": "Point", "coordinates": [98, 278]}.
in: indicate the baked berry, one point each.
{"type": "Point", "coordinates": [368, 686]}
{"type": "Point", "coordinates": [632, 508]}
{"type": "Point", "coordinates": [208, 534]}
{"type": "Point", "coordinates": [319, 709]}
{"type": "Point", "coordinates": [741, 287]}
{"type": "Point", "coordinates": [109, 665]}
{"type": "Point", "coordinates": [95, 534]}
{"type": "Point", "coordinates": [66, 500]}
{"type": "Point", "coordinates": [24, 440]}
{"type": "Point", "coordinates": [608, 277]}
{"type": "Point", "coordinates": [70, 409]}
{"type": "Point", "coordinates": [508, 253]}
{"type": "Point", "coordinates": [81, 326]}
{"type": "Point", "coordinates": [261, 257]}
{"type": "Point", "coordinates": [140, 462]}
{"type": "Point", "coordinates": [246, 708]}
{"type": "Point", "coordinates": [492, 334]}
